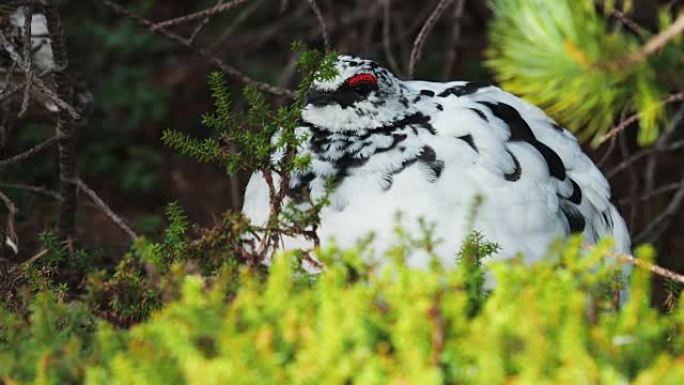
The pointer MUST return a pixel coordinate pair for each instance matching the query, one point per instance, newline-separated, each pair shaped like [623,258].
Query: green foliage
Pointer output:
[563,56]
[550,322]
[246,141]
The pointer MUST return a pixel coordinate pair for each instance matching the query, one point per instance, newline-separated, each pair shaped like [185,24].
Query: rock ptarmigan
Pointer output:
[427,150]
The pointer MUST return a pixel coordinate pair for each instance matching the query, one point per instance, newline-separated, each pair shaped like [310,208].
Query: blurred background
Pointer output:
[135,83]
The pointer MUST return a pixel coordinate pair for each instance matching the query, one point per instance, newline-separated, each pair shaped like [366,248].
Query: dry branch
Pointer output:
[655,269]
[65,124]
[30,152]
[105,208]
[678,97]
[28,57]
[34,189]
[11,240]
[418,44]
[207,13]
[321,21]
[228,69]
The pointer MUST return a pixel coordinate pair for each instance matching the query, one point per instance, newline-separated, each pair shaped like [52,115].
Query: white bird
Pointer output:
[427,150]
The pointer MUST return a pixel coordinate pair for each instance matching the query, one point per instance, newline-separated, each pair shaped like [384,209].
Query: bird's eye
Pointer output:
[363,84]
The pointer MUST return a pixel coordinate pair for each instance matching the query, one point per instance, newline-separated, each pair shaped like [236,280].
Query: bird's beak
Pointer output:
[319,98]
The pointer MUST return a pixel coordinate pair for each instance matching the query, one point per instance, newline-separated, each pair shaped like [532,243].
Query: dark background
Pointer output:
[142,83]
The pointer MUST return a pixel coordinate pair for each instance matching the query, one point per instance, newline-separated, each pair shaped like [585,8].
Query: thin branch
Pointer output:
[201,26]
[678,97]
[30,152]
[34,189]
[65,125]
[655,43]
[105,209]
[28,58]
[386,42]
[321,21]
[228,69]
[207,13]
[12,239]
[651,194]
[655,269]
[655,229]
[59,101]
[452,48]
[674,146]
[42,87]
[418,44]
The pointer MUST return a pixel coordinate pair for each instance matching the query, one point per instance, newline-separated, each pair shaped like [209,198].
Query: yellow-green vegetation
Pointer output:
[585,70]
[554,322]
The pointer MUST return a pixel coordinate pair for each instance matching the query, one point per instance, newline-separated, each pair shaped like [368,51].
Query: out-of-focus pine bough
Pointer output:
[247,142]
[566,56]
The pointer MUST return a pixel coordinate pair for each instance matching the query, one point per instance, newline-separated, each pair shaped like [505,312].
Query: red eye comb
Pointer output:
[362,78]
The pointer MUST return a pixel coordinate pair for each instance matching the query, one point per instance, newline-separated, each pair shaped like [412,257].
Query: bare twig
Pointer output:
[12,240]
[655,229]
[30,152]
[321,21]
[678,97]
[201,26]
[648,196]
[654,44]
[655,269]
[28,58]
[198,15]
[42,87]
[652,162]
[56,98]
[452,48]
[65,126]
[34,189]
[228,69]
[417,50]
[386,42]
[105,208]
[674,146]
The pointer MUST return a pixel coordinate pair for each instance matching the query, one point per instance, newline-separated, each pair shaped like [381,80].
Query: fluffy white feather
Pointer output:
[427,149]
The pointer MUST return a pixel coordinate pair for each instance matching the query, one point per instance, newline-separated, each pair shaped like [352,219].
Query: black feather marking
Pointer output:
[429,157]
[466,89]
[575,219]
[440,107]
[576,196]
[557,127]
[480,114]
[607,219]
[427,93]
[521,132]
[416,99]
[553,161]
[471,142]
[517,170]
[389,179]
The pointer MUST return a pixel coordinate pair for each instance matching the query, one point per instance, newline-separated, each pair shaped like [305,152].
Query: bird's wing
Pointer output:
[519,142]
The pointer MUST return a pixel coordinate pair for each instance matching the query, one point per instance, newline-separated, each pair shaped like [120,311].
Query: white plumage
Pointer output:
[427,149]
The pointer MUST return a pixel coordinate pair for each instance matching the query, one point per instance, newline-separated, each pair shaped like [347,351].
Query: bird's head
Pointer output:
[362,96]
